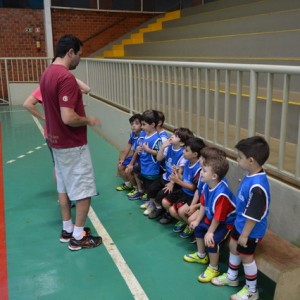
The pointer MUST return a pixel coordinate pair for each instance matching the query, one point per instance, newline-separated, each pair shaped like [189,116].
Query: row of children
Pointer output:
[180,178]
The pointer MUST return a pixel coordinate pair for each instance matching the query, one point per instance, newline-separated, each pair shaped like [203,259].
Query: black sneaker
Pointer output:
[156,213]
[86,242]
[166,219]
[66,236]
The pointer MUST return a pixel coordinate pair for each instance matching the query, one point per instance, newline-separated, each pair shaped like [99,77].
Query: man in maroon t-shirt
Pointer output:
[66,123]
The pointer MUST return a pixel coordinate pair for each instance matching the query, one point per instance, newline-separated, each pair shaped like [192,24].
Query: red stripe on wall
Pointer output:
[3,260]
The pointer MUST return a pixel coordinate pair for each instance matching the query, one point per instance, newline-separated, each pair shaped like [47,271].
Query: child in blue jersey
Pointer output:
[216,216]
[188,182]
[172,153]
[126,156]
[189,212]
[147,151]
[162,133]
[252,209]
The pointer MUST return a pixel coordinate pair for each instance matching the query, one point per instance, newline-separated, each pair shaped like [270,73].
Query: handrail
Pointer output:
[104,29]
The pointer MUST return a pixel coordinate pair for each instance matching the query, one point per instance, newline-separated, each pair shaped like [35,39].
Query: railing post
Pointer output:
[7,80]
[252,103]
[130,88]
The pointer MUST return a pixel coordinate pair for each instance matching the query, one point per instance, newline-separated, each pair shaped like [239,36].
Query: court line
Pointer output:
[3,250]
[131,281]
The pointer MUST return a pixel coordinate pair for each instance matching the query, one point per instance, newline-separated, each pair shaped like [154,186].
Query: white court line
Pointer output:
[134,286]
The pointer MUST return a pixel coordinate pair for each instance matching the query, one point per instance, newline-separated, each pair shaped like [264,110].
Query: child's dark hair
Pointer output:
[161,117]
[184,134]
[135,117]
[196,144]
[209,152]
[216,159]
[256,147]
[150,116]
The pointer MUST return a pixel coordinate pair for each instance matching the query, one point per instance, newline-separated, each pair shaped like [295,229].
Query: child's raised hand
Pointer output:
[146,147]
[166,143]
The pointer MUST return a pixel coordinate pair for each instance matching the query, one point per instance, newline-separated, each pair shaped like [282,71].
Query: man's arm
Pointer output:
[71,118]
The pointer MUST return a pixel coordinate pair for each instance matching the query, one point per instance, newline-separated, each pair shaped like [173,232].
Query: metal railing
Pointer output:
[221,103]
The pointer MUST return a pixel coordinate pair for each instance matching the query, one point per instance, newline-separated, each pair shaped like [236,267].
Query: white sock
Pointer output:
[78,233]
[127,183]
[68,226]
[215,268]
[201,255]
[233,270]
[251,276]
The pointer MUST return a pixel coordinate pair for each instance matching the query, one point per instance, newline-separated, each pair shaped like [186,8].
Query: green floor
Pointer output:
[39,267]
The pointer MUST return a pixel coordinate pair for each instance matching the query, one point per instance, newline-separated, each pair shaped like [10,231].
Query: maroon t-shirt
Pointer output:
[60,89]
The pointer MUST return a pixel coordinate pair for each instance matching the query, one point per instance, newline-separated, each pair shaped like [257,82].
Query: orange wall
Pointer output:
[15,42]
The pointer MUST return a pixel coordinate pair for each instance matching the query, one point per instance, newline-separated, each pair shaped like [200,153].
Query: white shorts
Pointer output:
[74,172]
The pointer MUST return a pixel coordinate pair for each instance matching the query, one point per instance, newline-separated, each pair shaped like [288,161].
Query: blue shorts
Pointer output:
[220,235]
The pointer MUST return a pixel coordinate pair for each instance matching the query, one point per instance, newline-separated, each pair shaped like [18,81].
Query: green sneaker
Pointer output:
[145,197]
[194,258]
[245,294]
[223,280]
[124,187]
[132,192]
[208,274]
[187,232]
[179,226]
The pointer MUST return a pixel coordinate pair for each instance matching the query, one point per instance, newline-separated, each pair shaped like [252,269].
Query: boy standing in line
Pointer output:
[125,159]
[253,200]
[216,216]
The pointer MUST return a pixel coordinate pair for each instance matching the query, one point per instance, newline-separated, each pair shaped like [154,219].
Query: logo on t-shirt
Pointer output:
[65,98]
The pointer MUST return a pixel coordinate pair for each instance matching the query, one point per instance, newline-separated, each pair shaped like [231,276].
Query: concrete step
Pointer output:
[242,10]
[275,45]
[276,21]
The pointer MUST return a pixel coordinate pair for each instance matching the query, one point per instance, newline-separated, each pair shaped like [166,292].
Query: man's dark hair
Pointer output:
[135,117]
[196,144]
[66,43]
[150,116]
[256,147]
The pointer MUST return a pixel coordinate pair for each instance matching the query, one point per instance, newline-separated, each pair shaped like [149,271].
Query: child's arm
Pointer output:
[149,150]
[243,239]
[160,154]
[30,104]
[125,153]
[209,236]
[200,216]
[175,177]
[129,167]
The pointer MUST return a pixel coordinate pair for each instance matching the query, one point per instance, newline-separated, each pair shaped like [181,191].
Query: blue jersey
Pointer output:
[163,135]
[149,165]
[190,176]
[253,201]
[172,158]
[211,197]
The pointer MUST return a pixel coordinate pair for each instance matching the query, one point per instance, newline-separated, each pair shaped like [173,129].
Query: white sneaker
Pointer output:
[145,205]
[149,210]
[245,294]
[223,280]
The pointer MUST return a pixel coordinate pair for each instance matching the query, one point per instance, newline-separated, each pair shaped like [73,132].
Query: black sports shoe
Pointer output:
[66,236]
[86,242]
[166,219]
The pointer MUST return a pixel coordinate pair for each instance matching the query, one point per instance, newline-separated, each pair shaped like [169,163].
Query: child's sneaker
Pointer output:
[124,187]
[66,236]
[179,226]
[194,258]
[145,197]
[156,213]
[149,209]
[132,192]
[208,274]
[223,280]
[135,196]
[87,242]
[245,294]
[145,205]
[166,219]
[187,232]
